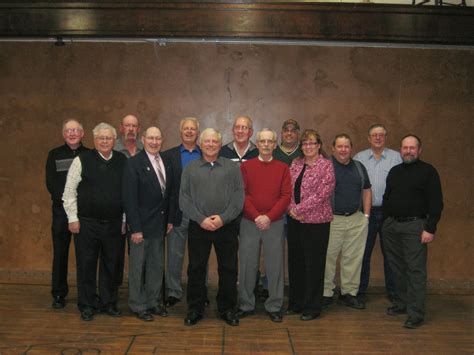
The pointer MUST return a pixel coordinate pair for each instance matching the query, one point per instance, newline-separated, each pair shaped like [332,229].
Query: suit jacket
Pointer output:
[146,208]
[173,155]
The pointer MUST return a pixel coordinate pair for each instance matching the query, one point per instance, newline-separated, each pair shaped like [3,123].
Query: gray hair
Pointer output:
[188,119]
[209,131]
[376,125]
[249,121]
[267,130]
[101,126]
[72,120]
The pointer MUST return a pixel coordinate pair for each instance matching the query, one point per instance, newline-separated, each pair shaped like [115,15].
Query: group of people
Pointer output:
[240,198]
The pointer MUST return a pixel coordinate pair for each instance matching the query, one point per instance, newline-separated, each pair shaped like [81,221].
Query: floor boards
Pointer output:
[28,325]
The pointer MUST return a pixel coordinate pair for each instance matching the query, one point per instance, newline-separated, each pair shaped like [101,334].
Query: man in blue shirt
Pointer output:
[179,156]
[378,160]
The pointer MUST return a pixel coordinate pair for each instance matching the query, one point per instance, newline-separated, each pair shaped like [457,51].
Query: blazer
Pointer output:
[173,155]
[146,209]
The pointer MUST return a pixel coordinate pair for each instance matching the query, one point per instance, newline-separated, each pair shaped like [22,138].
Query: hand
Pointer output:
[426,237]
[208,224]
[293,215]
[74,227]
[263,222]
[217,221]
[169,227]
[137,238]
[124,228]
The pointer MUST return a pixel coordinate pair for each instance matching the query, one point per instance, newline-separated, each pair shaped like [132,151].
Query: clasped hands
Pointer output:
[212,223]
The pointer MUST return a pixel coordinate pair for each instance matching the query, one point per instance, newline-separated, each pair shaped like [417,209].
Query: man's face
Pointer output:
[73,133]
[289,135]
[152,140]
[104,141]
[189,133]
[210,146]
[410,151]
[241,130]
[266,144]
[377,138]
[129,127]
[342,150]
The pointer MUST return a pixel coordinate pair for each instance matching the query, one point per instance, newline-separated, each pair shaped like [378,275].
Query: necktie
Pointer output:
[161,176]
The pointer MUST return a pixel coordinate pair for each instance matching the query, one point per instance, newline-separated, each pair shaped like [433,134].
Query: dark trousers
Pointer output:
[61,241]
[307,248]
[407,257]
[375,226]
[226,246]
[98,242]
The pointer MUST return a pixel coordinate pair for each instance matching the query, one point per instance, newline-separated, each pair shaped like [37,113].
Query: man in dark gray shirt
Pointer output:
[212,195]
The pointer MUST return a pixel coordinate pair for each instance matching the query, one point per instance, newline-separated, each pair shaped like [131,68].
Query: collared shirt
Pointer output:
[378,170]
[211,189]
[74,177]
[155,163]
[121,148]
[229,151]
[188,156]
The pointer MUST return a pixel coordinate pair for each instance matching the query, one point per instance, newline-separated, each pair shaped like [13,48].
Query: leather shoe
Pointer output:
[275,317]
[58,302]
[192,318]
[327,301]
[309,316]
[159,311]
[144,316]
[351,301]
[87,314]
[230,318]
[112,311]
[242,314]
[413,323]
[395,311]
[171,301]
[291,312]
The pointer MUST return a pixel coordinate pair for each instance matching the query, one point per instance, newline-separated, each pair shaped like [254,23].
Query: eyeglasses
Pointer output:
[72,130]
[309,144]
[266,141]
[104,138]
[378,135]
[154,139]
[241,128]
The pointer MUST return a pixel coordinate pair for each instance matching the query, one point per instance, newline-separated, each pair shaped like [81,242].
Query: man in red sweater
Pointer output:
[267,195]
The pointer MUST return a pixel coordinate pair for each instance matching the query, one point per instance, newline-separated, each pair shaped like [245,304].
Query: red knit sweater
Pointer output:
[267,188]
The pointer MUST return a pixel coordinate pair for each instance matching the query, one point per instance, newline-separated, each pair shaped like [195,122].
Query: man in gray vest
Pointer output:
[348,234]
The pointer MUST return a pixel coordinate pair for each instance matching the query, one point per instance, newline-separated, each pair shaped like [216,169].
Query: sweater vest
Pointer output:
[99,194]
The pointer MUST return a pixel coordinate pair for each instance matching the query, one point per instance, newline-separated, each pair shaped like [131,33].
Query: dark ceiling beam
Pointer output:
[236,20]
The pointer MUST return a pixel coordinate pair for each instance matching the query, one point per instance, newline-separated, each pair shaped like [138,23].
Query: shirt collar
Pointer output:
[195,150]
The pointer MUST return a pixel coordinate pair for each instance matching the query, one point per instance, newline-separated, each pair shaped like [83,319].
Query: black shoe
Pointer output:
[230,318]
[395,311]
[262,294]
[327,301]
[291,312]
[171,301]
[242,314]
[362,297]
[58,302]
[144,316]
[87,314]
[309,316]
[413,323]
[207,302]
[112,311]
[192,318]
[351,301]
[275,317]
[159,311]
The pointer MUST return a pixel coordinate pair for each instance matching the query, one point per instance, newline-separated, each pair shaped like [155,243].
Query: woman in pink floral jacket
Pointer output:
[309,217]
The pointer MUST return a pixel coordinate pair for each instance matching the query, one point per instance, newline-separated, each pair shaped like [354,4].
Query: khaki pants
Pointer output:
[347,237]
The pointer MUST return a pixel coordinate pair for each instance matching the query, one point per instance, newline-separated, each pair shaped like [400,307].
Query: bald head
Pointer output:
[152,140]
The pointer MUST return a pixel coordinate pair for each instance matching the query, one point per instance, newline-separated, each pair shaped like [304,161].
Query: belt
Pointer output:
[409,219]
[345,214]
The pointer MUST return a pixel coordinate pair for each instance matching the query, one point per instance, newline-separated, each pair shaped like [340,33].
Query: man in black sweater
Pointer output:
[57,165]
[93,204]
[412,206]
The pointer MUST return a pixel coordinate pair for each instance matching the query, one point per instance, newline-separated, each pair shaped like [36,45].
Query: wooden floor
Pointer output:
[28,325]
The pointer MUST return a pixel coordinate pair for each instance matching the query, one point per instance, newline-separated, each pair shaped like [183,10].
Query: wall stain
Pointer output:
[321,82]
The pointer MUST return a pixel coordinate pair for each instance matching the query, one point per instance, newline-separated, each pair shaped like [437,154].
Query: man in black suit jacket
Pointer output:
[147,187]
[179,157]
